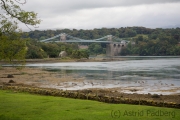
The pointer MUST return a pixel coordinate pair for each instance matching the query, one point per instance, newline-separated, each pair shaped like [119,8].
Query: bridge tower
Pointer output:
[109,37]
[109,46]
[63,37]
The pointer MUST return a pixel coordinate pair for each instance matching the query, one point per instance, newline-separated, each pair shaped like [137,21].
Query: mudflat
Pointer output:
[36,77]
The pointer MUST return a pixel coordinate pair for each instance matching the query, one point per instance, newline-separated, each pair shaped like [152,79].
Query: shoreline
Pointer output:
[101,95]
[61,80]
[34,77]
[50,60]
[92,59]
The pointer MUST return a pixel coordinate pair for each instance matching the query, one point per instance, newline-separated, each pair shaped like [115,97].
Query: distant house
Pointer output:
[83,47]
[179,44]
[133,43]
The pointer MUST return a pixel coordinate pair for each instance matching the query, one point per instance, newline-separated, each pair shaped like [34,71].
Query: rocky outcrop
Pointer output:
[62,54]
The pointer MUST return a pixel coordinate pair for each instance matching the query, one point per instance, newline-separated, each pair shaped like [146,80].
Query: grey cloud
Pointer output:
[89,14]
[81,4]
[60,6]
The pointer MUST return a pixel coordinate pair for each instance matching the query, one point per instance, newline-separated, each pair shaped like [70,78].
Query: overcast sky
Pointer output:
[90,14]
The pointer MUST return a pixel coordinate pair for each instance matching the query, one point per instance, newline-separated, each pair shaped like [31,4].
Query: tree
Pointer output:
[12,13]
[80,54]
[12,46]
[95,48]
[11,49]
[35,50]
[52,49]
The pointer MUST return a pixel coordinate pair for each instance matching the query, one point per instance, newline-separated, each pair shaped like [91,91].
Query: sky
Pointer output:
[91,14]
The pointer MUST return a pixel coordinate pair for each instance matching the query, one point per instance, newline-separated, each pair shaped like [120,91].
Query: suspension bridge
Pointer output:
[113,44]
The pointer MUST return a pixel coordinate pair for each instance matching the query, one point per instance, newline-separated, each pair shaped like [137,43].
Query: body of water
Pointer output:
[146,74]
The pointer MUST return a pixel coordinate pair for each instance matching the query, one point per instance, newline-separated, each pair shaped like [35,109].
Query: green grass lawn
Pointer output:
[25,106]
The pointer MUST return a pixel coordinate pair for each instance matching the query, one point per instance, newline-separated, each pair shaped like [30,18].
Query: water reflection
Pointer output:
[147,73]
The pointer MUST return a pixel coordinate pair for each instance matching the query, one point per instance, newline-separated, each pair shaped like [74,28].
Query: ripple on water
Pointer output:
[158,74]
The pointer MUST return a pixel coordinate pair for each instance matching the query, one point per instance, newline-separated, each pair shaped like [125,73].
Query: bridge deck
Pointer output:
[70,39]
[84,41]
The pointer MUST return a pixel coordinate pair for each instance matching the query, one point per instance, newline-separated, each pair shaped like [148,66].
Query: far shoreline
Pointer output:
[56,60]
[91,59]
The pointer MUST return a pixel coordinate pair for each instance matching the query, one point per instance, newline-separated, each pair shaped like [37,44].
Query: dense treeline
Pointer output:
[52,50]
[91,34]
[159,42]
[143,41]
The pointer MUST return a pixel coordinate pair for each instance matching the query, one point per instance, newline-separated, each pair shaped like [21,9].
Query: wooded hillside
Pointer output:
[147,41]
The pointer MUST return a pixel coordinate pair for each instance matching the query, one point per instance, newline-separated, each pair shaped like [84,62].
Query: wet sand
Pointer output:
[40,78]
[48,79]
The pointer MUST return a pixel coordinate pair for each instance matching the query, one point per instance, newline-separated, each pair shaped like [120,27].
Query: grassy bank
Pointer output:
[24,106]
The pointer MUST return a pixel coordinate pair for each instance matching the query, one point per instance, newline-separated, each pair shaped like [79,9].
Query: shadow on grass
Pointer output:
[3,117]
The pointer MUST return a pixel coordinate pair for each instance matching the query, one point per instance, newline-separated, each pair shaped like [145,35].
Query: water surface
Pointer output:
[147,74]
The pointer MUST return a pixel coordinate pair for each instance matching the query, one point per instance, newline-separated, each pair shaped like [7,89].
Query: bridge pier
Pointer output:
[114,49]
